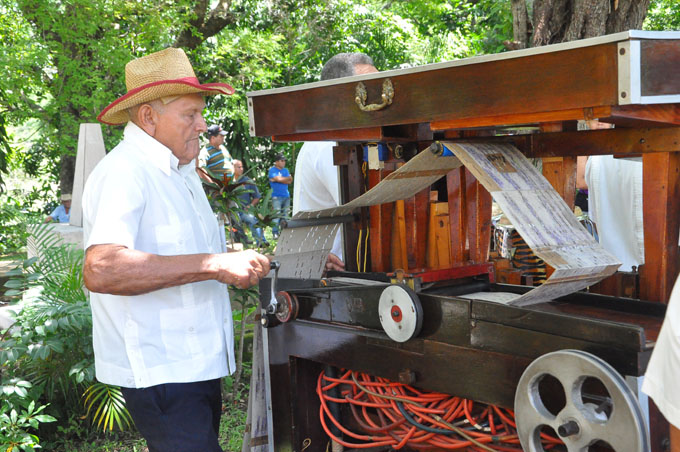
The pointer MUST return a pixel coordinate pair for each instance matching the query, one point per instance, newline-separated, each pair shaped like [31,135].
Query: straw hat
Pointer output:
[66,197]
[161,74]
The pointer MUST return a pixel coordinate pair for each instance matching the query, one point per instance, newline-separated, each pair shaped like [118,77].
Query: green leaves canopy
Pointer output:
[67,58]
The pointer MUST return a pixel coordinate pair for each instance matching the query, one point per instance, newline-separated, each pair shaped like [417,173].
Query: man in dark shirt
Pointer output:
[247,199]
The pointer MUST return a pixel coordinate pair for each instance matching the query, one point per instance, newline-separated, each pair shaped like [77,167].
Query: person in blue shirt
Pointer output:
[62,213]
[279,180]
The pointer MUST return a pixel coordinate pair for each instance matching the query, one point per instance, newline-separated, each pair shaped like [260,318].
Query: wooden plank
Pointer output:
[256,437]
[502,338]
[561,173]
[442,235]
[455,183]
[524,118]
[663,115]
[381,227]
[553,81]
[411,244]
[399,254]
[659,67]
[561,319]
[351,190]
[601,142]
[659,430]
[418,225]
[479,219]
[363,134]
[661,206]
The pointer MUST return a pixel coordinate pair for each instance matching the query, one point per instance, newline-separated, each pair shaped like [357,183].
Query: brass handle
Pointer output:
[387,96]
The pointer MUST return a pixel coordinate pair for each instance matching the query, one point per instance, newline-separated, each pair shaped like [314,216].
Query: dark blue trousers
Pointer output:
[177,417]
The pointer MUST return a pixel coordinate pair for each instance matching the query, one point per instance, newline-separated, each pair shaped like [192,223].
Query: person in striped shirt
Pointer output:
[217,158]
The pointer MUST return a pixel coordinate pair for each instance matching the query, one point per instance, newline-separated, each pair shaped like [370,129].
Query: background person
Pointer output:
[316,177]
[661,377]
[279,180]
[62,213]
[154,262]
[248,199]
[615,204]
[217,159]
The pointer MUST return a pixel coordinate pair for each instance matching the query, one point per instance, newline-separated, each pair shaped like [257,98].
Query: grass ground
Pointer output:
[232,427]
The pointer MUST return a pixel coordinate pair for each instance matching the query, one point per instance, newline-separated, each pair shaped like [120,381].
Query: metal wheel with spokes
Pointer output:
[596,411]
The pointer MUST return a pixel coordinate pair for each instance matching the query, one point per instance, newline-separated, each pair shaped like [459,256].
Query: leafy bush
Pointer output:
[19,415]
[50,345]
[13,232]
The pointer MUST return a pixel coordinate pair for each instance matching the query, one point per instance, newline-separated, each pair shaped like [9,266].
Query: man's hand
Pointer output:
[334,263]
[242,269]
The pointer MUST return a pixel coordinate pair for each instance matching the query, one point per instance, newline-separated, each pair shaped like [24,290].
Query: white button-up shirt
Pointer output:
[140,197]
[317,183]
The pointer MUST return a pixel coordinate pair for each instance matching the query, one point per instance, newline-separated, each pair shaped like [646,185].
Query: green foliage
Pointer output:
[68,58]
[50,345]
[19,417]
[67,62]
[52,334]
[663,15]
[107,406]
[233,421]
[13,233]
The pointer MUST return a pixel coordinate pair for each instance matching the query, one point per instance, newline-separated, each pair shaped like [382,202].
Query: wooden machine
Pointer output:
[437,242]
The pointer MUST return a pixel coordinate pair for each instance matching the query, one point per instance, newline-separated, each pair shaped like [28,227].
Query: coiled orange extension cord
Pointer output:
[397,415]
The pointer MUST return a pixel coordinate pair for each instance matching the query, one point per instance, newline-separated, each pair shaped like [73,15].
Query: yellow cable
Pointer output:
[368,231]
[359,251]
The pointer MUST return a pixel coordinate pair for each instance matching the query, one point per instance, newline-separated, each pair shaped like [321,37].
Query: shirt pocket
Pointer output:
[173,239]
[189,333]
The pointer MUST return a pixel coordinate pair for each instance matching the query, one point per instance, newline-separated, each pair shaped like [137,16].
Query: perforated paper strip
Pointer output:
[536,211]
[303,251]
[541,217]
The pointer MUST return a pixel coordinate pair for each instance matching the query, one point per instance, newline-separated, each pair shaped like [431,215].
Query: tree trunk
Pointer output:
[67,170]
[520,24]
[557,21]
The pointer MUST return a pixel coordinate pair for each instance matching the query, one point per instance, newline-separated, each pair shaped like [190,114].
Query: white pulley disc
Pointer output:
[616,419]
[400,312]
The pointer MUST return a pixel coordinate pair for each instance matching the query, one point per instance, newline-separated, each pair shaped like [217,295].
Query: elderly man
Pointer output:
[316,185]
[155,261]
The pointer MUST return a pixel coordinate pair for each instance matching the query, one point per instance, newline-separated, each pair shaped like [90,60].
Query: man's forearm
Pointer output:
[282,179]
[117,270]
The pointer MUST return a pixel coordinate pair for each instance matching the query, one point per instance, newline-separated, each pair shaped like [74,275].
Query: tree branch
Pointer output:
[200,29]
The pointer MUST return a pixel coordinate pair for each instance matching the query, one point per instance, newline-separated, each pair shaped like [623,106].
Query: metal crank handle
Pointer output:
[271,308]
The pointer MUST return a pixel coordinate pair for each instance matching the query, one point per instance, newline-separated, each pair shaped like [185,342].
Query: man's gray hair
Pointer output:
[342,65]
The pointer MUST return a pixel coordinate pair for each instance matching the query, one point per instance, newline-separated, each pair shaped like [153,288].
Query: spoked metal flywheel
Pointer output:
[596,410]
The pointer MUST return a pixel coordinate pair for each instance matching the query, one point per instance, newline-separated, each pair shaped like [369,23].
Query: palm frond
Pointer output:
[109,407]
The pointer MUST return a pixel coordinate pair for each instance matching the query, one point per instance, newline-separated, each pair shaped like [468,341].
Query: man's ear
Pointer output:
[147,119]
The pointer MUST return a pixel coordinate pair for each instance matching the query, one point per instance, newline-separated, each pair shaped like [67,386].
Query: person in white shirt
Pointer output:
[155,263]
[615,204]
[317,185]
[661,377]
